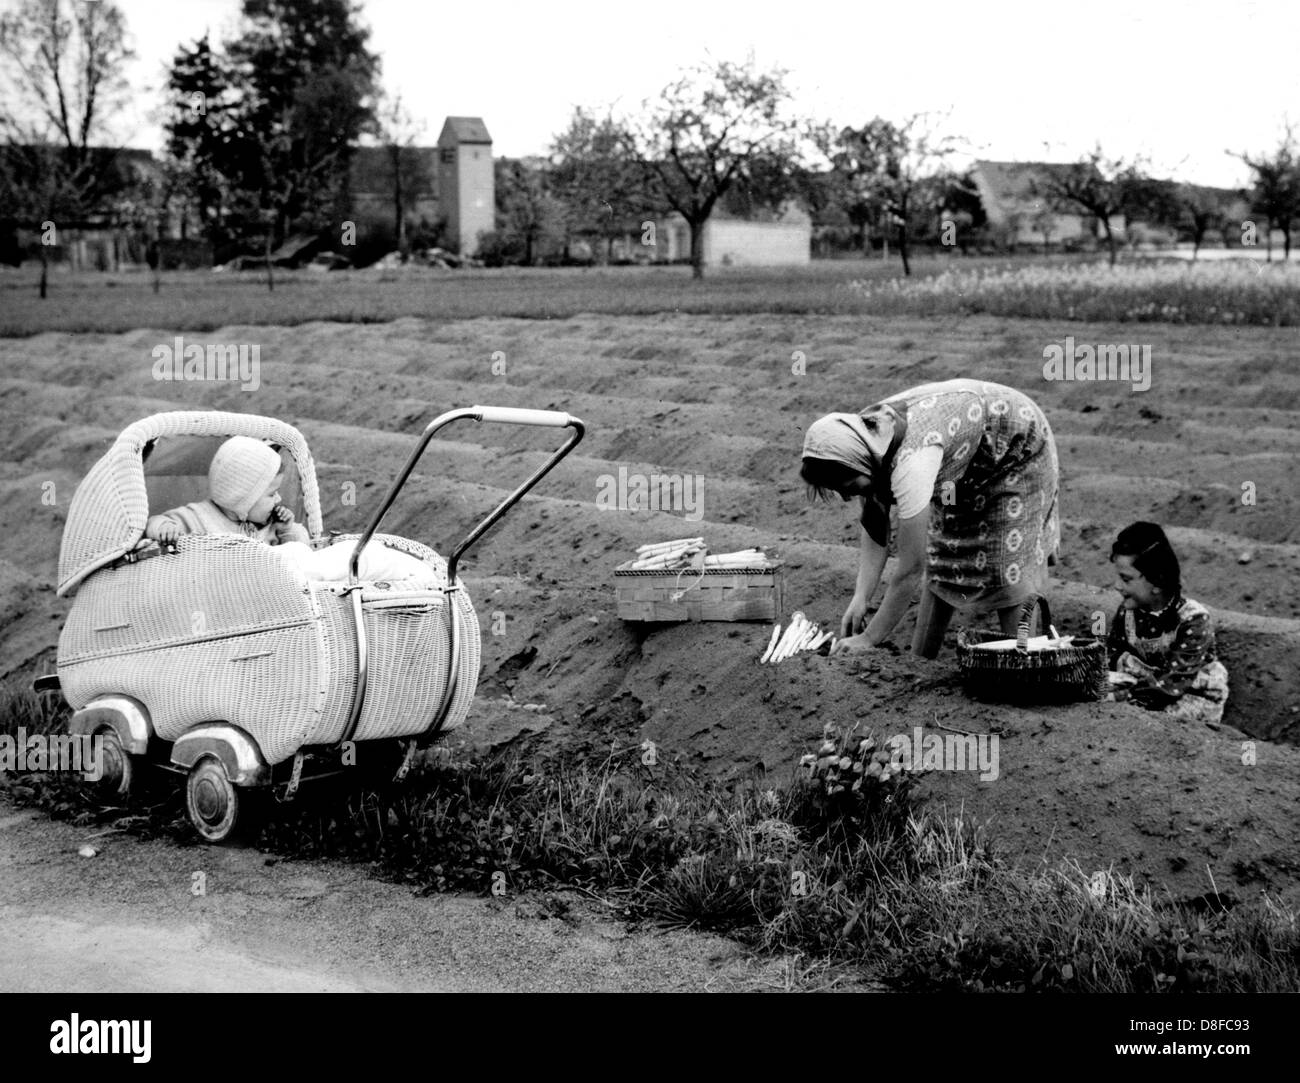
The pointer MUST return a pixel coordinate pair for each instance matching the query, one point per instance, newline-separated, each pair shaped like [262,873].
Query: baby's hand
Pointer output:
[285,527]
[162,529]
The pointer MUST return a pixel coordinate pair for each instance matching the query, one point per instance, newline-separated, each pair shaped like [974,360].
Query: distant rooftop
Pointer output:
[464,130]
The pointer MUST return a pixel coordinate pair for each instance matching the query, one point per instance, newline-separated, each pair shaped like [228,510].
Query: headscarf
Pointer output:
[842,438]
[241,470]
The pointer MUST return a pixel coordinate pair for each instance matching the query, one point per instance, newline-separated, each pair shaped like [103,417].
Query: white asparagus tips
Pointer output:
[659,547]
[667,554]
[671,554]
[801,635]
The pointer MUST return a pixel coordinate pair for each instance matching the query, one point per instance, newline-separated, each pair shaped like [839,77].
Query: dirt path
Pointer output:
[127,920]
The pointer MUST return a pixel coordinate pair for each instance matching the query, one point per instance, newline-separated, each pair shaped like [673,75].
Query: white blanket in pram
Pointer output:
[378,563]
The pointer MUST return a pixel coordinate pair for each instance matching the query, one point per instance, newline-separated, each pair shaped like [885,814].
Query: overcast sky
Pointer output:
[1179,81]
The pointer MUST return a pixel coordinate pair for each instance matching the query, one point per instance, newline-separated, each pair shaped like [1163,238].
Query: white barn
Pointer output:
[738,242]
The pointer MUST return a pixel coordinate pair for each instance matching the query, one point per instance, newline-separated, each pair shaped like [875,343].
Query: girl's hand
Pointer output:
[1131,666]
[282,514]
[857,644]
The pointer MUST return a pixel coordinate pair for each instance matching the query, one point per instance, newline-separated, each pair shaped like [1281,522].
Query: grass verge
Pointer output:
[861,876]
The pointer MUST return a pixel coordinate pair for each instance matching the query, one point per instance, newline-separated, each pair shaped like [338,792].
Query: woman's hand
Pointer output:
[854,619]
[908,575]
[857,644]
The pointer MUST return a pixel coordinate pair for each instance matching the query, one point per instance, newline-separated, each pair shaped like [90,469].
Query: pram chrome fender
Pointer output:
[236,750]
[128,716]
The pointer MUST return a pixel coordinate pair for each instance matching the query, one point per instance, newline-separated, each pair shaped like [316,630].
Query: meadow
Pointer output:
[1234,292]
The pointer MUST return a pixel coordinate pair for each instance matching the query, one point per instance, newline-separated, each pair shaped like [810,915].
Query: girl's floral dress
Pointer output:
[1172,655]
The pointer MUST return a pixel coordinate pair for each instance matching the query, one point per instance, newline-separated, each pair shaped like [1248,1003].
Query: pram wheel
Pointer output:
[117,775]
[218,809]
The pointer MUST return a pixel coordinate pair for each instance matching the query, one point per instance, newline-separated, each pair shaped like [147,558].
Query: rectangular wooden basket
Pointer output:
[727,594]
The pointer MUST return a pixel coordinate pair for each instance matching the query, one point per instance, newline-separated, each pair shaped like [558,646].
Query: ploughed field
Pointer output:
[714,398]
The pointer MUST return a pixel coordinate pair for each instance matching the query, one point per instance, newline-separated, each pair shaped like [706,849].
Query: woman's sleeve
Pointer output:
[913,480]
[1192,649]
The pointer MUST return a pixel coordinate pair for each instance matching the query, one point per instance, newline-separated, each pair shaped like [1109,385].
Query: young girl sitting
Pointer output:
[243,486]
[1161,642]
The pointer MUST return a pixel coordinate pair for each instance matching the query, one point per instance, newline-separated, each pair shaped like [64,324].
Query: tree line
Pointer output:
[262,128]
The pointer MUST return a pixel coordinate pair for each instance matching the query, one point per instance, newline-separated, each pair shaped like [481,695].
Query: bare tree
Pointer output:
[1201,211]
[714,127]
[600,188]
[899,169]
[1044,222]
[407,170]
[1275,192]
[65,76]
[1102,187]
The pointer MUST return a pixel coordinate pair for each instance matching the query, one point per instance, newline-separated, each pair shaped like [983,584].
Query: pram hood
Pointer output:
[107,517]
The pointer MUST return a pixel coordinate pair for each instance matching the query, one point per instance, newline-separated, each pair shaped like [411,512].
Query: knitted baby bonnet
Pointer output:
[241,470]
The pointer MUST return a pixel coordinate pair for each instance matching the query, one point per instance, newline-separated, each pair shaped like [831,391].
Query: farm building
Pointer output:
[98,241]
[1013,199]
[1016,208]
[381,179]
[466,185]
[449,187]
[729,241]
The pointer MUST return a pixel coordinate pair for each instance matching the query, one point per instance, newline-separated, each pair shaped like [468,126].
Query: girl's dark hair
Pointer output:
[1152,555]
[825,477]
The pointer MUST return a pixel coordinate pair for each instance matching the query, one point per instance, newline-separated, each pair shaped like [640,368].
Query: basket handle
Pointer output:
[678,591]
[1027,615]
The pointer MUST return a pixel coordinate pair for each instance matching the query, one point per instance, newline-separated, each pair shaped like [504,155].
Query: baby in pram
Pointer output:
[243,487]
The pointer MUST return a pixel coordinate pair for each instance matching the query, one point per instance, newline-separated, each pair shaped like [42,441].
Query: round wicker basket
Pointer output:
[1024,673]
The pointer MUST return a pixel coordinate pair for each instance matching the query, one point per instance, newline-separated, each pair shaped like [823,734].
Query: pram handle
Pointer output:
[504,414]
[512,415]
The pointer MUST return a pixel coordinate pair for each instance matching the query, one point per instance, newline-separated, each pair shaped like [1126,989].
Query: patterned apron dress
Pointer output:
[1176,656]
[994,526]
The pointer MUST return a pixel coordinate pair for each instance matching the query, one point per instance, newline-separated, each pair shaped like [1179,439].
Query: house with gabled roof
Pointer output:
[1019,212]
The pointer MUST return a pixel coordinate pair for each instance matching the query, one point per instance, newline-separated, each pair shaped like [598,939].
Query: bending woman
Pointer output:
[972,468]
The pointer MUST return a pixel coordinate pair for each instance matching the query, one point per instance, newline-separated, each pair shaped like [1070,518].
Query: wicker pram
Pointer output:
[1046,671]
[224,650]
[225,629]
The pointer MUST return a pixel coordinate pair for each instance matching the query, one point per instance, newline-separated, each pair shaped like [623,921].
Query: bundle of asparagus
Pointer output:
[666,554]
[670,554]
[801,635]
[741,558]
